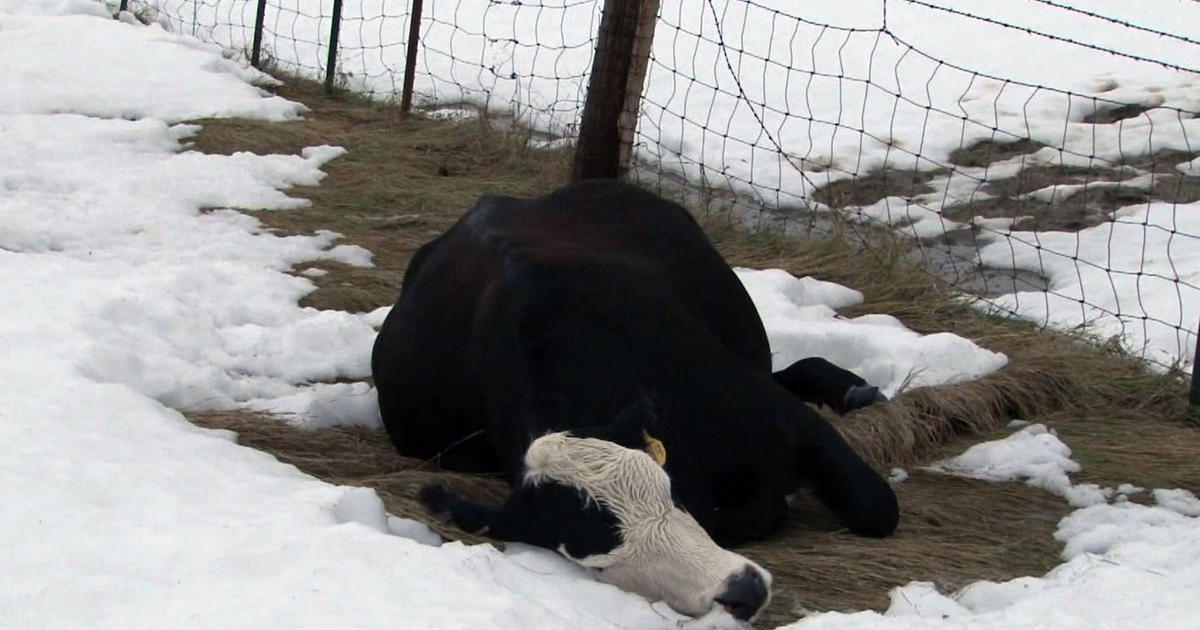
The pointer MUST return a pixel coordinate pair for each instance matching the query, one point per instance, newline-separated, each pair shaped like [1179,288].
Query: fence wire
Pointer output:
[1068,195]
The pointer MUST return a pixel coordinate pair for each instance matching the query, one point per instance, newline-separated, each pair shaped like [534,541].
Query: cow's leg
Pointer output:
[842,479]
[447,442]
[815,380]
[734,526]
[547,515]
[467,515]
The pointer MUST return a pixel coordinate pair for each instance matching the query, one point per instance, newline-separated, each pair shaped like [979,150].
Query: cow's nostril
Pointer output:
[744,594]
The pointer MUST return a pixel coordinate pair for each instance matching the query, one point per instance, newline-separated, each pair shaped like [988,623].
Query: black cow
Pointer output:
[558,339]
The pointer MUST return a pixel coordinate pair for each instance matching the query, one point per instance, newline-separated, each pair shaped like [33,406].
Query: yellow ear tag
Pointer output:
[655,448]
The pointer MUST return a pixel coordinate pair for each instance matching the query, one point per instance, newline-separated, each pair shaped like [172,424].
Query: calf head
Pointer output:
[609,508]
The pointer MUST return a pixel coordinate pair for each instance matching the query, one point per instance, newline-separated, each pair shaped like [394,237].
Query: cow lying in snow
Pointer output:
[595,347]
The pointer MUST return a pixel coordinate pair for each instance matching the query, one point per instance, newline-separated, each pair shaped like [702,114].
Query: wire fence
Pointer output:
[1042,155]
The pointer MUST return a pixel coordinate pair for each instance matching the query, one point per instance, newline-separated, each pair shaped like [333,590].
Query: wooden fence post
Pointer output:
[410,57]
[256,49]
[331,62]
[597,153]
[643,42]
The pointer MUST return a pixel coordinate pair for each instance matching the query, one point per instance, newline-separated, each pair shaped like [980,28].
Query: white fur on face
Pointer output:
[664,554]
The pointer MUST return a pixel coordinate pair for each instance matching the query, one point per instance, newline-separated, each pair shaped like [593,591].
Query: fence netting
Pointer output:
[1041,155]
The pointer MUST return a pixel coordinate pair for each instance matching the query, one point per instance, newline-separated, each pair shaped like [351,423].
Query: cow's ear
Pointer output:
[629,426]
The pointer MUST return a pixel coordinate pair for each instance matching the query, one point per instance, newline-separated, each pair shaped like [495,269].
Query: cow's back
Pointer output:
[620,222]
[428,364]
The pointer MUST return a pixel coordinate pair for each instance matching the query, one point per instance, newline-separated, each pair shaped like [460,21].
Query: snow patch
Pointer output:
[362,506]
[801,321]
[120,71]
[128,281]
[375,318]
[413,530]
[1178,500]
[1155,249]
[1033,455]
[324,405]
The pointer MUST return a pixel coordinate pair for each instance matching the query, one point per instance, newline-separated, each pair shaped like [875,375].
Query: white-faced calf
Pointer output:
[594,346]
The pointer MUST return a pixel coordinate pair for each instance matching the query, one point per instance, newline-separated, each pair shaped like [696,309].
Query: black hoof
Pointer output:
[436,498]
[860,396]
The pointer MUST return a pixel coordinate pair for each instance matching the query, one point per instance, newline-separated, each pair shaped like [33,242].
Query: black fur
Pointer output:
[604,310]
[581,526]
[820,382]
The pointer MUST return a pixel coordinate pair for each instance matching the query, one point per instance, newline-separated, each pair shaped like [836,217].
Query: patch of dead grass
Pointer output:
[1047,371]
[1036,177]
[402,182]
[1087,208]
[987,152]
[866,189]
[952,532]
[1112,113]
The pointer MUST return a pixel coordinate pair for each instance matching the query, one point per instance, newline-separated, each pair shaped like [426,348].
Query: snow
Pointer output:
[163,311]
[1127,489]
[177,78]
[132,287]
[1147,248]
[1033,454]
[414,530]
[362,506]
[1178,500]
[801,321]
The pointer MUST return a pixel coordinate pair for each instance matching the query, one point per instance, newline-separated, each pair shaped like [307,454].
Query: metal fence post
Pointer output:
[410,59]
[331,63]
[1194,397]
[258,30]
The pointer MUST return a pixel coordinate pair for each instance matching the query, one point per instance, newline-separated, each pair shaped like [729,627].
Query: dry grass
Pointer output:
[987,152]
[1088,208]
[866,189]
[1115,113]
[1046,371]
[405,180]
